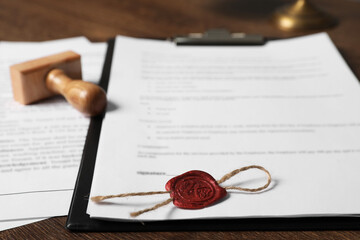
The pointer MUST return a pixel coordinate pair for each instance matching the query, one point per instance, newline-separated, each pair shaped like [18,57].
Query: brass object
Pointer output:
[302,15]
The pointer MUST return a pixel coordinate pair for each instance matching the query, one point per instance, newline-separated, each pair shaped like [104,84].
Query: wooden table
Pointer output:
[37,20]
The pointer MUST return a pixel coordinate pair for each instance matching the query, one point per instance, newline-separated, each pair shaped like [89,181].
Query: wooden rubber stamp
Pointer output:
[48,76]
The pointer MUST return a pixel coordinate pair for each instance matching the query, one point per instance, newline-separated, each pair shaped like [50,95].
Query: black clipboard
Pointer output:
[78,220]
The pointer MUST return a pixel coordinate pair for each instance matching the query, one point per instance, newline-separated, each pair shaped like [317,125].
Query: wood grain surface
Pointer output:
[39,20]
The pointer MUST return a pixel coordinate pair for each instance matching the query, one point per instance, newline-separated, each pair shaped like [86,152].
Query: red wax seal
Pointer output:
[194,190]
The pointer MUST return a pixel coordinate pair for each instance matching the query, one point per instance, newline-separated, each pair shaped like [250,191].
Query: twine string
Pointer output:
[223,179]
[101,198]
[135,214]
[236,171]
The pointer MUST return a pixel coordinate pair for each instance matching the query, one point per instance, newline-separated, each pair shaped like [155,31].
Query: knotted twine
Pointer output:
[223,179]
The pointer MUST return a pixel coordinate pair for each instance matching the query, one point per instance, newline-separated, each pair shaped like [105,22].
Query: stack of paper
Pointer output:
[292,106]
[40,144]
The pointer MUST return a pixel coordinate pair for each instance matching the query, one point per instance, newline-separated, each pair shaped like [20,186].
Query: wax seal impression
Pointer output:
[194,190]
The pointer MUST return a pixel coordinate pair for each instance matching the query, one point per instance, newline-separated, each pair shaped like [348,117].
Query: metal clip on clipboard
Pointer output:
[218,37]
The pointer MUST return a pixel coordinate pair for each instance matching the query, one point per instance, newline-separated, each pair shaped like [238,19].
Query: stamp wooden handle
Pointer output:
[86,97]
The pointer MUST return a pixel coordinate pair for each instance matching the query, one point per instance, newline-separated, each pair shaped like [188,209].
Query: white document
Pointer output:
[4,225]
[41,144]
[291,106]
